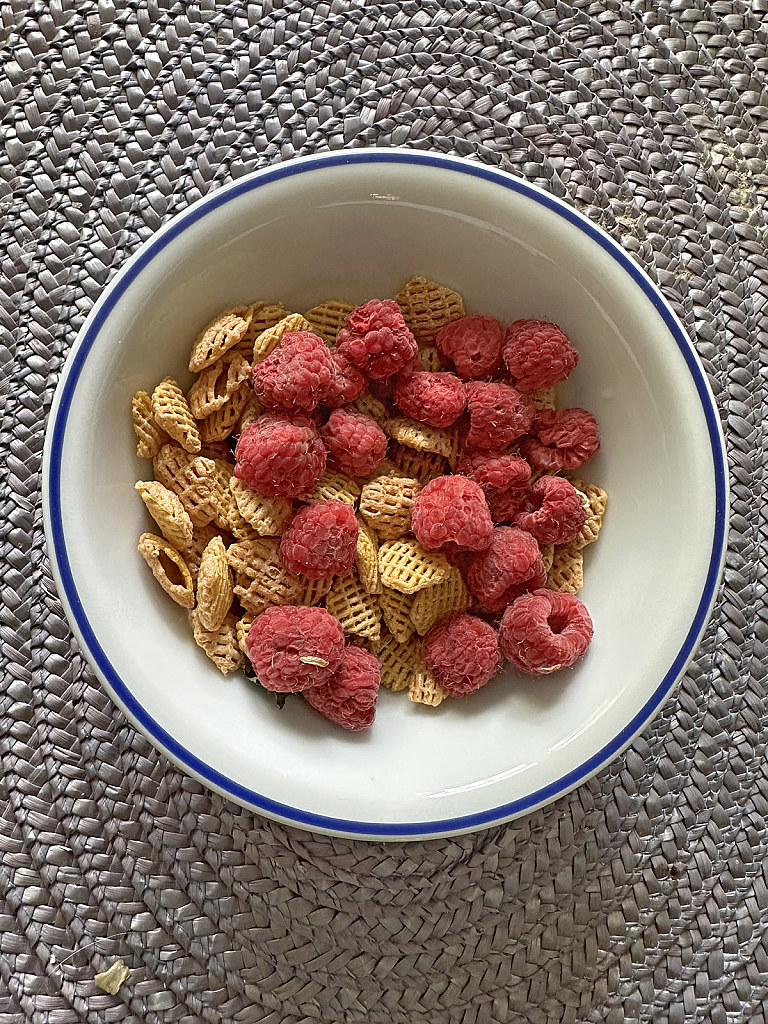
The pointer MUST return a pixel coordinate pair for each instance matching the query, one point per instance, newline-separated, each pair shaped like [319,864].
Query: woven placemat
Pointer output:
[642,895]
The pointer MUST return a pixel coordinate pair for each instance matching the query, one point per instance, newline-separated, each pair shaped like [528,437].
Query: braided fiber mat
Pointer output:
[642,895]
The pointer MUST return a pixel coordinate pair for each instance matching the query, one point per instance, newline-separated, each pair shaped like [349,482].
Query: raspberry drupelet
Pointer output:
[376,339]
[562,439]
[280,457]
[538,354]
[510,564]
[349,697]
[545,630]
[554,512]
[473,344]
[462,654]
[498,415]
[347,382]
[495,471]
[355,442]
[321,540]
[437,399]
[294,647]
[451,510]
[297,376]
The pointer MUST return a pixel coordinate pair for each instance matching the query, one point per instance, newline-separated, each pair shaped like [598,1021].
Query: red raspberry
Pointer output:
[292,648]
[504,505]
[512,559]
[297,376]
[554,512]
[280,457]
[434,398]
[347,383]
[462,654]
[538,354]
[321,540]
[498,415]
[564,439]
[349,696]
[384,389]
[495,471]
[356,443]
[451,509]
[474,345]
[544,631]
[376,339]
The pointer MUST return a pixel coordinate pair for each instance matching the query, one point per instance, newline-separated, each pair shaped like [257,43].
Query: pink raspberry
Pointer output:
[356,443]
[462,654]
[321,540]
[347,383]
[293,648]
[297,376]
[554,512]
[434,398]
[563,439]
[495,471]
[376,339]
[474,345]
[451,509]
[545,630]
[498,415]
[512,559]
[504,505]
[280,457]
[538,354]
[349,696]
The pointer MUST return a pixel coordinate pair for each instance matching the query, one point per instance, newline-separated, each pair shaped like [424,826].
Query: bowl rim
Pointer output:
[109,677]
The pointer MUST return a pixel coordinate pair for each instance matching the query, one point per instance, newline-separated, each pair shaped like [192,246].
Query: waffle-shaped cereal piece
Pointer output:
[242,626]
[172,414]
[201,537]
[405,566]
[217,383]
[166,509]
[216,450]
[239,527]
[221,645]
[193,478]
[356,609]
[386,503]
[429,357]
[327,319]
[215,589]
[442,601]
[264,316]
[427,307]
[546,398]
[267,516]
[251,411]
[424,466]
[401,663]
[149,437]
[547,555]
[370,405]
[396,610]
[595,500]
[266,343]
[567,572]
[224,499]
[262,579]
[420,436]
[335,484]
[314,590]
[219,336]
[169,568]
[367,557]
[425,689]
[221,423]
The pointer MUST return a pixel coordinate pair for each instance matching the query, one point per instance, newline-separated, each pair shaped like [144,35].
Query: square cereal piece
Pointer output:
[370,405]
[192,478]
[567,572]
[405,566]
[327,318]
[240,527]
[400,663]
[357,610]
[217,383]
[367,557]
[442,601]
[396,610]
[173,415]
[262,579]
[268,516]
[220,336]
[266,343]
[420,436]
[221,645]
[386,503]
[149,437]
[427,307]
[424,466]
[220,424]
[334,484]
[313,590]
[595,500]
[425,689]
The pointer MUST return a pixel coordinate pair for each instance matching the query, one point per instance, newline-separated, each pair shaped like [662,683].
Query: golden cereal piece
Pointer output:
[173,415]
[546,398]
[442,601]
[112,979]
[427,307]
[251,412]
[216,384]
[386,503]
[216,450]
[595,500]
[201,537]
[327,319]
[267,516]
[424,466]
[429,357]
[400,663]
[266,343]
[221,645]
[191,477]
[334,484]
[405,566]
[166,509]
[221,423]
[357,610]
[370,405]
[240,527]
[242,627]
[220,336]
[420,436]
[547,554]
[224,499]
[396,610]
[169,568]
[149,437]
[262,579]
[263,317]
[314,590]
[425,689]
[567,572]
[215,589]
[367,557]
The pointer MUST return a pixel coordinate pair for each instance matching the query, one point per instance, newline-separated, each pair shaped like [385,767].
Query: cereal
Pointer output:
[427,307]
[547,555]
[595,500]
[357,610]
[217,383]
[424,466]
[396,610]
[239,526]
[201,537]
[424,689]
[335,484]
[266,343]
[314,590]
[401,663]
[429,357]
[419,436]
[251,411]
[173,415]
[267,516]
[221,423]
[149,437]
[327,319]
[215,589]
[242,626]
[386,503]
[544,398]
[405,566]
[262,579]
[168,568]
[369,405]
[166,509]
[367,557]
[223,497]
[192,478]
[221,645]
[444,600]
[567,571]
[263,317]
[219,336]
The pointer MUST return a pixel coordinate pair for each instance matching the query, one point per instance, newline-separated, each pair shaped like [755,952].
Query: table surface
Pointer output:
[640,896]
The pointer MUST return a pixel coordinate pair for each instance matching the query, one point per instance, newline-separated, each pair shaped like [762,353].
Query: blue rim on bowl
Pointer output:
[117,687]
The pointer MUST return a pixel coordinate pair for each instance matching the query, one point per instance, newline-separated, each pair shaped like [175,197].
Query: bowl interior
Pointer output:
[356,231]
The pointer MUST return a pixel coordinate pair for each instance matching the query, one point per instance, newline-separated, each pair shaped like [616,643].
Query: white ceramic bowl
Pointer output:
[356,225]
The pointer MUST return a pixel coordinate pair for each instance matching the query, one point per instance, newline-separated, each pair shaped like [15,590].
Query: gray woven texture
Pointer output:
[642,895]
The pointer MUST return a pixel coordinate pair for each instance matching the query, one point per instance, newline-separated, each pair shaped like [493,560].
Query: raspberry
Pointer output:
[495,471]
[347,383]
[376,339]
[512,559]
[451,509]
[349,696]
[280,457]
[321,540]
[297,376]
[564,439]
[544,631]
[292,648]
[498,415]
[356,443]
[554,513]
[384,388]
[474,345]
[462,654]
[434,398]
[504,505]
[538,354]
